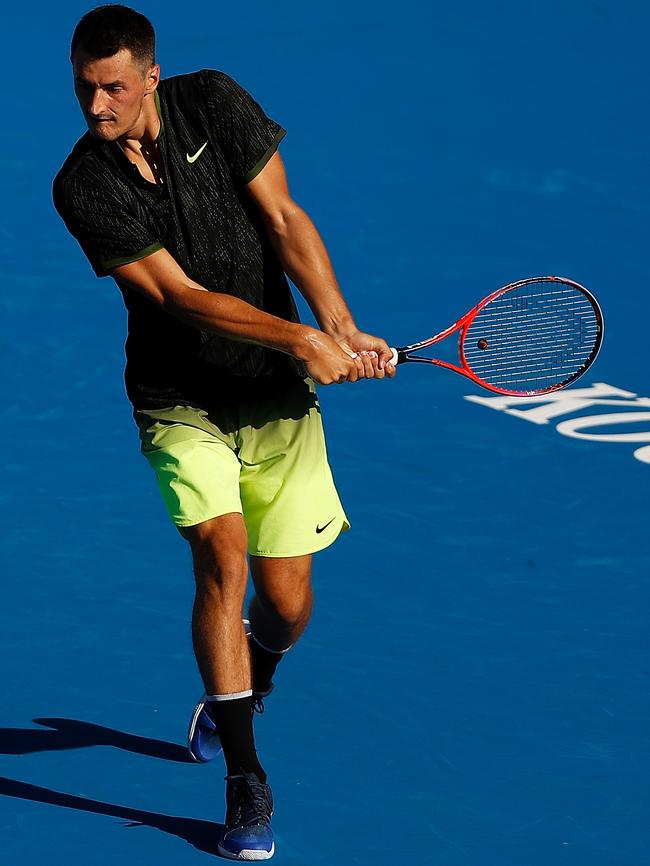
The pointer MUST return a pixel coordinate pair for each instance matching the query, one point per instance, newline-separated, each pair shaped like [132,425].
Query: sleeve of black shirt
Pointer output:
[106,231]
[246,136]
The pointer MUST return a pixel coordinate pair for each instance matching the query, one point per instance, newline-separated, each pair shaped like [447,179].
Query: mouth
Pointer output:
[100,127]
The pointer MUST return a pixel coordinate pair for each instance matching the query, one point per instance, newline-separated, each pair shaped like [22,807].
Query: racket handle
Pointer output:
[394,359]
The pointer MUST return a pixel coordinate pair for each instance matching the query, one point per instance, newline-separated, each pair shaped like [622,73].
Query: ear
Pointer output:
[151,79]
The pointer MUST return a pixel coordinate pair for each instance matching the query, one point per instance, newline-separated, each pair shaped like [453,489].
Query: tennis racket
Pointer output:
[529,337]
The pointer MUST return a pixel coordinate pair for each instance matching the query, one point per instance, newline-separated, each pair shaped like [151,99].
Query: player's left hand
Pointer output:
[373,355]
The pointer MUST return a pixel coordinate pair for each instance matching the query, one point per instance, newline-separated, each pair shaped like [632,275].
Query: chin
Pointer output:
[104,131]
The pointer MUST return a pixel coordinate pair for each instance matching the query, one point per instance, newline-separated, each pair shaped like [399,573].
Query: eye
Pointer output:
[114,88]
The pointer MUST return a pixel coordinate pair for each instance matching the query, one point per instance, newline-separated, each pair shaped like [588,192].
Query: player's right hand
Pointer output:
[327,363]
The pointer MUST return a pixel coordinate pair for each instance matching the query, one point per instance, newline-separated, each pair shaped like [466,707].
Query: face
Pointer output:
[111,92]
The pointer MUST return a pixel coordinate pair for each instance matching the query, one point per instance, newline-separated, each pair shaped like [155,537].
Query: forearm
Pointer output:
[325,360]
[233,318]
[305,260]
[161,280]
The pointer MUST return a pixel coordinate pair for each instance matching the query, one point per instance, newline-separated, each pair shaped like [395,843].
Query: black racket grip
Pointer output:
[399,355]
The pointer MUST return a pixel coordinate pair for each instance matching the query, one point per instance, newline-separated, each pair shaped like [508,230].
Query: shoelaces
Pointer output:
[249,802]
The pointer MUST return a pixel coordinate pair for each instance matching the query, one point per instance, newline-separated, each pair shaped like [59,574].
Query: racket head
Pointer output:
[531,337]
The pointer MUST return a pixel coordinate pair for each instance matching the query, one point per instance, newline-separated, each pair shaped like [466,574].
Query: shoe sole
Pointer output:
[190,734]
[247,853]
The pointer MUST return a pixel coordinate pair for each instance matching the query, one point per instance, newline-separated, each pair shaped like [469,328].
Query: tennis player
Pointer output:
[179,193]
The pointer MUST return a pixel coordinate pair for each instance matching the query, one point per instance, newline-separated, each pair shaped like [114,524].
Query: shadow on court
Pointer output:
[74,734]
[203,835]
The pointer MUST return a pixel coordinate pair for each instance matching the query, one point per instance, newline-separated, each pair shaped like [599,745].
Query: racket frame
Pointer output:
[405,353]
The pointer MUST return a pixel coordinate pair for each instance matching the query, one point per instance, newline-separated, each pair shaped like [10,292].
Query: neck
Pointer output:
[144,134]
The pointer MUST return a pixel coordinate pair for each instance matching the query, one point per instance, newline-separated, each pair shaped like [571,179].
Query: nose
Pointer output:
[97,105]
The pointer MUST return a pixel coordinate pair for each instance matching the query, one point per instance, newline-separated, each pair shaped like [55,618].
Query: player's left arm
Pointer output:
[304,258]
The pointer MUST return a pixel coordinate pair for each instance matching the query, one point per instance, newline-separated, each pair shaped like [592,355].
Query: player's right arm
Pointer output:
[161,280]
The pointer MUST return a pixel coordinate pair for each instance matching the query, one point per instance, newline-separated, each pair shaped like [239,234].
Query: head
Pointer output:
[115,70]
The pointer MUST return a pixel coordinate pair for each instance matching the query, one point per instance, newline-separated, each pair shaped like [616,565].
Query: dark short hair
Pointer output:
[104,31]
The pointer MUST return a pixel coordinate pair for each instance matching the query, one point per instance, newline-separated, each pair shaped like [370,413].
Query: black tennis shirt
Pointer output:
[214,139]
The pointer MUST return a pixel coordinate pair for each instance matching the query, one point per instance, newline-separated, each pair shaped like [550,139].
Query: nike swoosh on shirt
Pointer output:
[320,529]
[197,154]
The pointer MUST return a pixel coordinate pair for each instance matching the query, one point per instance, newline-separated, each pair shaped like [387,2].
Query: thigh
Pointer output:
[290,503]
[195,463]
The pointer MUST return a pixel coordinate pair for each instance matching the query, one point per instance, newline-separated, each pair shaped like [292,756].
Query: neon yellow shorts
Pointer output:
[265,459]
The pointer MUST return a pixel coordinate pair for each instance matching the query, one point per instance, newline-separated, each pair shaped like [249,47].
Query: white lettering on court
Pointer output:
[548,406]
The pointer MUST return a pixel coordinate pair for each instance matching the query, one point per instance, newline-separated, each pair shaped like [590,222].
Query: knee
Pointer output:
[292,608]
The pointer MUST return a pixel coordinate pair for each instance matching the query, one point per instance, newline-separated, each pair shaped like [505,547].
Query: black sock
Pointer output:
[263,665]
[234,720]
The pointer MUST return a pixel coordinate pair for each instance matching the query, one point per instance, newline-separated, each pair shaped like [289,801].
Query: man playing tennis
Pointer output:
[178,192]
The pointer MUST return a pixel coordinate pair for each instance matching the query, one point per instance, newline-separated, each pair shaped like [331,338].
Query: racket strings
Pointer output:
[537,336]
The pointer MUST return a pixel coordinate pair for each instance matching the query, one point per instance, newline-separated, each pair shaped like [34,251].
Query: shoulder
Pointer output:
[74,161]
[83,169]
[207,83]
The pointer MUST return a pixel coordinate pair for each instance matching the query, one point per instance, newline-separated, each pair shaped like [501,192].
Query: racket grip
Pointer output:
[393,360]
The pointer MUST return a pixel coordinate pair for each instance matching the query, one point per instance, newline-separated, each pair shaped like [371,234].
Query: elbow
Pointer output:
[180,300]
[281,220]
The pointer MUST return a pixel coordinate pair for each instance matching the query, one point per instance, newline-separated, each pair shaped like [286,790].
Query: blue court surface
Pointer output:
[473,689]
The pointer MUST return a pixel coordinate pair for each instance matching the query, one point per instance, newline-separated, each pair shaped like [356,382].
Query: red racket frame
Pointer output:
[404,354]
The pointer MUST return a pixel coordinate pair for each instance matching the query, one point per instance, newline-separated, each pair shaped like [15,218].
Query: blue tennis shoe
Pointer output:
[249,807]
[202,738]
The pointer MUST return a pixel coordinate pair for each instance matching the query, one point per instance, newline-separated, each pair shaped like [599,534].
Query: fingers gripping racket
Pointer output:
[529,337]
